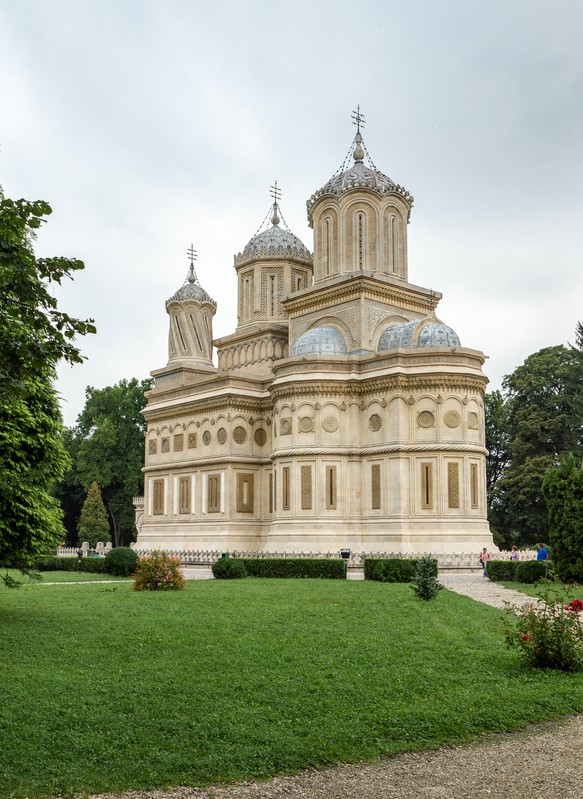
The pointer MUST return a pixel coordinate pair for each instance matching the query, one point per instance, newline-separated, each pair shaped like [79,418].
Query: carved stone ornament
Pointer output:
[206,437]
[152,446]
[306,424]
[165,444]
[425,419]
[191,440]
[375,422]
[221,435]
[452,419]
[239,435]
[473,421]
[343,406]
[285,427]
[178,442]
[411,400]
[330,424]
[260,437]
[383,403]
[317,406]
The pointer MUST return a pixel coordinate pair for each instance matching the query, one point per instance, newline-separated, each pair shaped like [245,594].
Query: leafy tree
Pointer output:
[109,442]
[93,523]
[497,461]
[563,490]
[34,336]
[544,399]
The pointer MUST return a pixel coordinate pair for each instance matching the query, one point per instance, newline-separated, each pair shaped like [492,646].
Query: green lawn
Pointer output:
[63,577]
[105,689]
[535,589]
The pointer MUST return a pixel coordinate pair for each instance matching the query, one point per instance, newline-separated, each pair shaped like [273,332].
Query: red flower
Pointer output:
[576,606]
[526,637]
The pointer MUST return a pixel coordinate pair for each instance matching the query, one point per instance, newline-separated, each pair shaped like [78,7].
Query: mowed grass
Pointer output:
[63,577]
[105,689]
[566,593]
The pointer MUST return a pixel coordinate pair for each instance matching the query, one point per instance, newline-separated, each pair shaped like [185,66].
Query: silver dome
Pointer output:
[320,341]
[191,290]
[429,332]
[275,242]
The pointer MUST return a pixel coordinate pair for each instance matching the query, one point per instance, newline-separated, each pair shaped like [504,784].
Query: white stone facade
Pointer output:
[342,412]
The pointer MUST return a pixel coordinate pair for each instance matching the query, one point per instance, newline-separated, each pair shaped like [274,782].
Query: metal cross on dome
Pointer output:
[275,192]
[193,255]
[358,119]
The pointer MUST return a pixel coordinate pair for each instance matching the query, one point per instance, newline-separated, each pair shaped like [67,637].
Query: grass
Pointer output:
[535,589]
[63,577]
[105,689]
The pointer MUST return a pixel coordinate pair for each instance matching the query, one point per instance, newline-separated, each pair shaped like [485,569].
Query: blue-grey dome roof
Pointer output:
[428,332]
[275,242]
[191,290]
[320,341]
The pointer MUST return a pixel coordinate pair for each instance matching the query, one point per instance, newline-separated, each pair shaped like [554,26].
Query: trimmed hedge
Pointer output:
[393,570]
[326,568]
[121,561]
[228,569]
[531,571]
[52,563]
[501,570]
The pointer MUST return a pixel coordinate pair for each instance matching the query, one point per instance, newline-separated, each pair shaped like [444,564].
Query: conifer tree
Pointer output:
[93,523]
[563,491]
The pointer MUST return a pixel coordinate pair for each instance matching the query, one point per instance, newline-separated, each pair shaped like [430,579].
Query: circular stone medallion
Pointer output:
[426,419]
[221,435]
[330,424]
[239,435]
[260,437]
[452,419]
[206,437]
[473,421]
[375,422]
[286,427]
[306,424]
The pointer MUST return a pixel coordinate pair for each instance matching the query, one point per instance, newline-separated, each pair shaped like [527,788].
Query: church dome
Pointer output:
[320,341]
[419,333]
[358,176]
[275,242]
[191,290]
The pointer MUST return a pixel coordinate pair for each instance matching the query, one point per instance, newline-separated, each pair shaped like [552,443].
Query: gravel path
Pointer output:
[540,762]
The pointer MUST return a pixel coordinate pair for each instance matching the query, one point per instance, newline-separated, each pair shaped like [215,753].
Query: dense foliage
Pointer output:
[531,571]
[534,424]
[158,572]
[121,561]
[393,570]
[563,491]
[107,446]
[501,570]
[52,563]
[327,568]
[425,582]
[229,569]
[93,523]
[34,337]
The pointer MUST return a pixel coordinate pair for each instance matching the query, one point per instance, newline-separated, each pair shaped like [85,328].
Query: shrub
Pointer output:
[393,570]
[229,569]
[501,570]
[548,635]
[425,582]
[52,563]
[158,572]
[531,571]
[324,568]
[121,561]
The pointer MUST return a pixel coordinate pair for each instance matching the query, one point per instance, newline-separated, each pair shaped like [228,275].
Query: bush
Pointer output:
[229,569]
[548,635]
[531,571]
[324,568]
[501,570]
[121,561]
[158,572]
[425,582]
[393,570]
[52,563]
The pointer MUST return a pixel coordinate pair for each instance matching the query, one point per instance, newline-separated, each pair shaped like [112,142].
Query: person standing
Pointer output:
[542,553]
[515,554]
[484,558]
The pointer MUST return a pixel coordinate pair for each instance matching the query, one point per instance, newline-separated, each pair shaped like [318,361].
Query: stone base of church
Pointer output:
[440,537]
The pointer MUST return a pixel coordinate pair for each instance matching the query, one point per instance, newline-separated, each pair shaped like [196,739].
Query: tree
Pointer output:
[34,336]
[563,490]
[93,523]
[544,399]
[497,461]
[109,438]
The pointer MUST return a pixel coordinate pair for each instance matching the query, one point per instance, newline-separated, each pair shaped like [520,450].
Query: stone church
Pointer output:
[341,412]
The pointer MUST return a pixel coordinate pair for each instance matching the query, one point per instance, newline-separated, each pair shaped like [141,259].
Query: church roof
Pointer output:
[428,332]
[358,176]
[191,290]
[325,340]
[275,242]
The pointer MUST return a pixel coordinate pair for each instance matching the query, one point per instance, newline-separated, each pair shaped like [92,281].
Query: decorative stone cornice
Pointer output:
[381,449]
[224,460]
[225,402]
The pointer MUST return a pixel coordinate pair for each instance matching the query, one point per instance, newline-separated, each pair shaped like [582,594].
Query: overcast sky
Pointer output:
[150,125]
